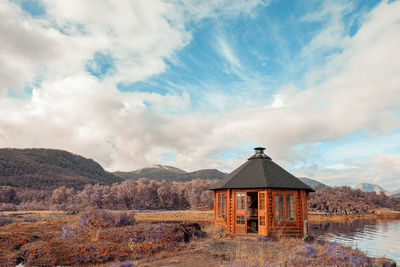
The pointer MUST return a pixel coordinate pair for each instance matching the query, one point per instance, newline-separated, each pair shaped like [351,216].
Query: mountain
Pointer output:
[157,172]
[169,173]
[394,193]
[49,169]
[367,187]
[311,182]
[206,174]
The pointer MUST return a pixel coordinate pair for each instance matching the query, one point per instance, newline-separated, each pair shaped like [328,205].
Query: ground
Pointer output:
[37,234]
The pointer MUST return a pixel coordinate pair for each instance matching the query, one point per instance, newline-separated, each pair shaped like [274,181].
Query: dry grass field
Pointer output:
[153,238]
[181,215]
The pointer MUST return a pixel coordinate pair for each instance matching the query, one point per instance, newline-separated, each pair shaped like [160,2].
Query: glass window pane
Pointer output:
[223,206]
[278,203]
[290,207]
[240,201]
[261,201]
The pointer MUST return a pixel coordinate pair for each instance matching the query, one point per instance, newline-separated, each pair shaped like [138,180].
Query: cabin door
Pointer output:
[241,213]
[262,218]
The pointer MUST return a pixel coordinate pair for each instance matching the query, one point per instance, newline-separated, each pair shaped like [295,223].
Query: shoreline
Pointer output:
[380,214]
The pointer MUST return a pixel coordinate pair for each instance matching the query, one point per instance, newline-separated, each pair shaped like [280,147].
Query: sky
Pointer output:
[198,84]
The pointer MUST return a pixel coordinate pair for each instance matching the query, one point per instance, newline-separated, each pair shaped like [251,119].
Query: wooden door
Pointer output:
[241,213]
[262,212]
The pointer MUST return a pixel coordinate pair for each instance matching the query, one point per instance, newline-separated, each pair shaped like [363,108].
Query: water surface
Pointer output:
[378,238]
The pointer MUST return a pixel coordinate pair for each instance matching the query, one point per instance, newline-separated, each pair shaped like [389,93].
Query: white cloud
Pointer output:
[226,51]
[382,169]
[388,163]
[333,34]
[75,111]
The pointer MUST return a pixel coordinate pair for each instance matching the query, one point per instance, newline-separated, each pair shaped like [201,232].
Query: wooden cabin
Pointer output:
[261,198]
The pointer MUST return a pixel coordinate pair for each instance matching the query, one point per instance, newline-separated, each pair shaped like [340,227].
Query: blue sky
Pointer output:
[198,84]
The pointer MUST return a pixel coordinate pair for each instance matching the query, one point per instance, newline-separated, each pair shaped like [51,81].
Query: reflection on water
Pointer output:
[378,238]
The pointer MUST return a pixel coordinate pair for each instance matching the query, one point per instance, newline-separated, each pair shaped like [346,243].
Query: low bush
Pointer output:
[38,254]
[30,219]
[123,264]
[4,220]
[97,219]
[7,206]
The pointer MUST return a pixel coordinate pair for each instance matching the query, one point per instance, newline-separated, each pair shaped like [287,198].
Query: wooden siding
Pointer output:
[296,228]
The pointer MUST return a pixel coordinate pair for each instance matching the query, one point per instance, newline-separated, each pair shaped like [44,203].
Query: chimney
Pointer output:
[259,153]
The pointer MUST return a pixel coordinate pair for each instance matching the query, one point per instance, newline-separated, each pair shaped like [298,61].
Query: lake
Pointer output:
[378,238]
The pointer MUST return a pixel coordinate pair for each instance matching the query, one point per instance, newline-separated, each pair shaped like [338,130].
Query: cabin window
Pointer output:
[278,199]
[240,201]
[262,220]
[284,205]
[261,201]
[289,207]
[240,219]
[221,205]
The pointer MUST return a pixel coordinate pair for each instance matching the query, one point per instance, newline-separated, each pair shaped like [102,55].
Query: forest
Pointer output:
[346,200]
[151,194]
[131,194]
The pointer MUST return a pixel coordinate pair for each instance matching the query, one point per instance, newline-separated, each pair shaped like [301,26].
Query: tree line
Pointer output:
[131,194]
[346,200]
[151,194]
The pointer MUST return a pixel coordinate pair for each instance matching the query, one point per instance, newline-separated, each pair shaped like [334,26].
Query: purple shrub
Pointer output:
[125,219]
[104,219]
[37,253]
[123,264]
[97,219]
[266,238]
[307,251]
[310,250]
[334,246]
[5,221]
[70,230]
[337,251]
[150,239]
[358,260]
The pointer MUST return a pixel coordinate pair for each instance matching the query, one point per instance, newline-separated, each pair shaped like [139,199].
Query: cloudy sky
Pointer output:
[197,84]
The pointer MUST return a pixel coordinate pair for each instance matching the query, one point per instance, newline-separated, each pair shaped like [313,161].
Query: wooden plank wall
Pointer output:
[269,211]
[296,228]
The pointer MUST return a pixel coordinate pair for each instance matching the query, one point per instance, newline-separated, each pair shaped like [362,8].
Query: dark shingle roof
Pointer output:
[260,172]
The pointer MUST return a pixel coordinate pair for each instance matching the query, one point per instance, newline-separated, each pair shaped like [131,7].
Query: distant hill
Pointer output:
[157,172]
[394,193]
[311,182]
[367,187]
[49,169]
[169,173]
[206,174]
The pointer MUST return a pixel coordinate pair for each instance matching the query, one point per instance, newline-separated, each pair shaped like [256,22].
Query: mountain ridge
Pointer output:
[169,173]
[369,187]
[40,168]
[312,182]
[395,193]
